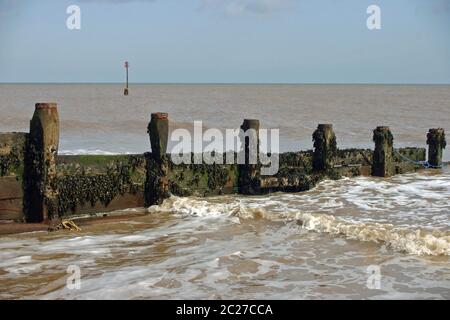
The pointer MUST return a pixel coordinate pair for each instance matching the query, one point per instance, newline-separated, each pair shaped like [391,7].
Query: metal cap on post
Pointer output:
[436,143]
[40,179]
[325,147]
[383,158]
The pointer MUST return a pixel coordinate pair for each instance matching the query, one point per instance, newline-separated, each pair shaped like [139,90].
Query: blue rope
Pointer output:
[425,164]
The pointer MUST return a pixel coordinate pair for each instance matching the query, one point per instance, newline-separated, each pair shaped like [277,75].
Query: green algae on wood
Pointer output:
[202,179]
[383,158]
[436,143]
[98,179]
[325,147]
[12,149]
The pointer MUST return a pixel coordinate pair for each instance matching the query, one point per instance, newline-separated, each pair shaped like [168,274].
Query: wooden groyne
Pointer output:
[38,185]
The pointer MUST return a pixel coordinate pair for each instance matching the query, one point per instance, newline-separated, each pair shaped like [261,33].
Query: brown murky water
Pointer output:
[319,244]
[314,245]
[98,118]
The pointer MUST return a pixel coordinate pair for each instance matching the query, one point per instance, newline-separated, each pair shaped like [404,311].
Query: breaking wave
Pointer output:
[417,241]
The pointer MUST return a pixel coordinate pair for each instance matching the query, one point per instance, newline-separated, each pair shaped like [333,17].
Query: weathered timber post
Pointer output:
[383,158]
[325,148]
[157,182]
[250,170]
[41,192]
[436,143]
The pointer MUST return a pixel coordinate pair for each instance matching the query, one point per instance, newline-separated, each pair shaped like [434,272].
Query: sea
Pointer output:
[355,238]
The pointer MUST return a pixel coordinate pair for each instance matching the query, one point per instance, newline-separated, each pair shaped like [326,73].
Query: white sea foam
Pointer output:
[90,152]
[194,207]
[406,214]
[418,241]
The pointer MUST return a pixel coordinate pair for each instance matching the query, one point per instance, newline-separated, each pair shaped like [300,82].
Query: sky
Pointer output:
[226,41]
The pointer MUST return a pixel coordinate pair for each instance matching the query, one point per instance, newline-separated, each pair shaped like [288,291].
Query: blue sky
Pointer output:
[226,41]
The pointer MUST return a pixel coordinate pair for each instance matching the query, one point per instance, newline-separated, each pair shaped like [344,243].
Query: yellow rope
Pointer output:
[70,225]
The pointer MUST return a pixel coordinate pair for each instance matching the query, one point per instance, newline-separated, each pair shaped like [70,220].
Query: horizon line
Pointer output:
[233,83]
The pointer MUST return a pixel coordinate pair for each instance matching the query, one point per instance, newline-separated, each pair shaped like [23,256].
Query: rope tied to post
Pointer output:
[424,164]
[69,225]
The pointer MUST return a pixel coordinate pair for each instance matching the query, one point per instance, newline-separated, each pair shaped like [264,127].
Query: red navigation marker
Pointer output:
[125,91]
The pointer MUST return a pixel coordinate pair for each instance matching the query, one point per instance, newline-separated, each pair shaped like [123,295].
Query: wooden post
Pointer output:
[383,158]
[325,147]
[249,171]
[436,143]
[157,181]
[158,129]
[41,192]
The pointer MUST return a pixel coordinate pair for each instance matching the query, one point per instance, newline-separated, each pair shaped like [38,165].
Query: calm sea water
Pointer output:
[98,118]
[323,243]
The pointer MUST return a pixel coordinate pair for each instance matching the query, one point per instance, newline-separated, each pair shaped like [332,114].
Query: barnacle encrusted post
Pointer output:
[325,147]
[436,143]
[157,181]
[383,159]
[250,169]
[158,129]
[41,192]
